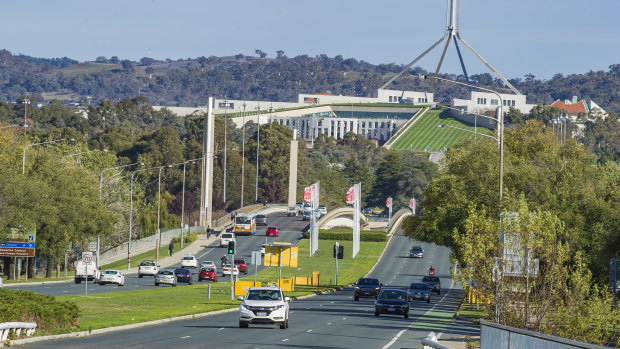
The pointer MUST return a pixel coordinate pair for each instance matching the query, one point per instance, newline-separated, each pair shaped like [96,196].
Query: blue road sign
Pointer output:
[18,244]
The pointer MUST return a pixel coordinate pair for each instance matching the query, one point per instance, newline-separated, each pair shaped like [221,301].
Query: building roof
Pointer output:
[572,108]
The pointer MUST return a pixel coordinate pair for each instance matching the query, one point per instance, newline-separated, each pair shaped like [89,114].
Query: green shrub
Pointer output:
[187,238]
[347,235]
[50,315]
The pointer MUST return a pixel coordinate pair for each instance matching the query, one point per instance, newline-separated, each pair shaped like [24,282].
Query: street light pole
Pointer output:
[32,145]
[257,154]
[193,161]
[225,132]
[242,155]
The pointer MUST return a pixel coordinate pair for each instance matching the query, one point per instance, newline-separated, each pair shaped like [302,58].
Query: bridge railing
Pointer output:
[17,327]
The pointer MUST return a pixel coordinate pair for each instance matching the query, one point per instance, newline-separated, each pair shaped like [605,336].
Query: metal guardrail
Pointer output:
[17,328]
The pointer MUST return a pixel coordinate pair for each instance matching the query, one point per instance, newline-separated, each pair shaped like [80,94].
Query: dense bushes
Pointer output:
[50,315]
[347,235]
[187,238]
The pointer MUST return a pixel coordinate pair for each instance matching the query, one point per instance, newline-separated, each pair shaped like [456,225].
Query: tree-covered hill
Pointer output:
[189,82]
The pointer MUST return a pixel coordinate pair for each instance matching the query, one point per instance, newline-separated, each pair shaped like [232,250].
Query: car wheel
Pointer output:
[286,323]
[438,292]
[376,313]
[283,325]
[190,282]
[356,298]
[140,276]
[406,316]
[156,284]
[77,281]
[428,300]
[101,284]
[174,285]
[243,324]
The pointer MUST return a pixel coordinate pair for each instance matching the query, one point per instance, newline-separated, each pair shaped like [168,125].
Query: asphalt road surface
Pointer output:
[290,229]
[333,320]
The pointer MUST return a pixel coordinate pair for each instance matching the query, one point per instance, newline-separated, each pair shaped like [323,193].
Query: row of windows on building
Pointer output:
[394,99]
[339,128]
[506,102]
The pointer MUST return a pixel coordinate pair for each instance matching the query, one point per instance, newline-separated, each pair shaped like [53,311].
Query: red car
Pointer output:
[273,230]
[240,263]
[207,274]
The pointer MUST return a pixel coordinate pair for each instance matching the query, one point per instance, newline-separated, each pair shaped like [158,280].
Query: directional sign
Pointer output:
[92,246]
[87,257]
[18,244]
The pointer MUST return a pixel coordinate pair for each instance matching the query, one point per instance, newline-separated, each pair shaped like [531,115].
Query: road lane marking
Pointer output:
[329,323]
[220,329]
[310,330]
[285,340]
[184,337]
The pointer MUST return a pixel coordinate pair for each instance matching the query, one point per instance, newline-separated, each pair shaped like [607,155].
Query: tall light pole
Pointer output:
[225,136]
[193,161]
[158,244]
[26,101]
[242,155]
[32,145]
[131,215]
[257,154]
[500,129]
[100,196]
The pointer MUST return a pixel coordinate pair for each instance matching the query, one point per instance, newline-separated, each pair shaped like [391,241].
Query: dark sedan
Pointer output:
[367,287]
[433,283]
[419,290]
[392,301]
[183,275]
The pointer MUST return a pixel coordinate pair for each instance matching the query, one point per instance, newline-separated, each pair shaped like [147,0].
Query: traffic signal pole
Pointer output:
[336,249]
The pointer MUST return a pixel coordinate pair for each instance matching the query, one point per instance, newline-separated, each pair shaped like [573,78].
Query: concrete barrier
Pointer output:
[16,327]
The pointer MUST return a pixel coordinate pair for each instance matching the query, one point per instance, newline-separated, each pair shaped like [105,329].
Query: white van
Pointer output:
[84,271]
[226,237]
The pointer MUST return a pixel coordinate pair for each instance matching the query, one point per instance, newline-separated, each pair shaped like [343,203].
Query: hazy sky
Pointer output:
[541,37]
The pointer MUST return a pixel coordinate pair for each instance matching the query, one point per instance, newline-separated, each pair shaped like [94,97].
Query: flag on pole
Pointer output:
[350,198]
[411,203]
[308,194]
[388,202]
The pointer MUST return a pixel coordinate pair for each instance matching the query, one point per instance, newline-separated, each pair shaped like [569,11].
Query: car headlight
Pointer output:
[245,306]
[377,288]
[278,307]
[357,287]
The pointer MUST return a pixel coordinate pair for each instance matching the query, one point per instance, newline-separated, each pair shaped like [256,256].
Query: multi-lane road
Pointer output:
[332,320]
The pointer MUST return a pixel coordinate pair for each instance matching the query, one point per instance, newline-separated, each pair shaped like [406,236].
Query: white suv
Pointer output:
[264,305]
[226,237]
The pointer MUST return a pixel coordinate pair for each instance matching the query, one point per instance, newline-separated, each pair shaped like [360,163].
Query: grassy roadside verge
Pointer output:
[163,302]
[469,311]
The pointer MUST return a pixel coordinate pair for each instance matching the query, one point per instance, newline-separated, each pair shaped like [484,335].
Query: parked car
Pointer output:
[226,270]
[419,290]
[322,210]
[183,275]
[112,277]
[433,283]
[416,252]
[147,267]
[367,287]
[165,276]
[208,264]
[240,263]
[225,238]
[189,261]
[272,231]
[392,301]
[261,219]
[264,305]
[208,274]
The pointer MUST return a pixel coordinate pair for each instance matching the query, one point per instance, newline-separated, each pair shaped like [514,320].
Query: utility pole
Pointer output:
[225,136]
[242,155]
[257,153]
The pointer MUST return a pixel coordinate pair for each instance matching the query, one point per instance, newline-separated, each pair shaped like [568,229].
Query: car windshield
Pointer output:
[110,272]
[208,270]
[227,236]
[272,228]
[419,286]
[368,282]
[165,272]
[239,261]
[260,216]
[392,294]
[181,271]
[416,248]
[188,258]
[264,295]
[430,278]
[147,264]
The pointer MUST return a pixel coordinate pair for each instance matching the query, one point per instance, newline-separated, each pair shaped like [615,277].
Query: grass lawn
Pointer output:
[469,310]
[425,132]
[128,307]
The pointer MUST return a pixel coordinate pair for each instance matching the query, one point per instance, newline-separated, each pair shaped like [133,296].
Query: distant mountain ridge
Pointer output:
[190,82]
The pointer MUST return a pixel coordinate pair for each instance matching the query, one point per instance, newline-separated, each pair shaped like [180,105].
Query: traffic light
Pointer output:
[231,247]
[340,252]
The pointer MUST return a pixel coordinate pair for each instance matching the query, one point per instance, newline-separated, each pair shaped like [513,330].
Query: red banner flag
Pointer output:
[388,202]
[308,194]
[350,195]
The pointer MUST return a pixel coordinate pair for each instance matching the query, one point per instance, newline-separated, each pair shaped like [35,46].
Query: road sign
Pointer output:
[87,257]
[256,257]
[18,244]
[92,246]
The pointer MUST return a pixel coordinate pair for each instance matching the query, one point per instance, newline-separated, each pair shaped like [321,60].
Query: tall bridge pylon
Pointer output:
[452,34]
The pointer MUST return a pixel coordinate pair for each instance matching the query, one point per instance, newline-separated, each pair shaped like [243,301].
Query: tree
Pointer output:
[260,53]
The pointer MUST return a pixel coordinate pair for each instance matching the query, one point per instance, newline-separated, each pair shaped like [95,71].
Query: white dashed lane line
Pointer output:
[184,337]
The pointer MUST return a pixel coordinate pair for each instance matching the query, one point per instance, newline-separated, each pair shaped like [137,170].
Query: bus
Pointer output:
[245,224]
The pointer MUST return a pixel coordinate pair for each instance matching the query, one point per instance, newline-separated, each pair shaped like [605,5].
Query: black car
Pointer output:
[183,275]
[433,283]
[419,290]
[367,287]
[261,219]
[392,301]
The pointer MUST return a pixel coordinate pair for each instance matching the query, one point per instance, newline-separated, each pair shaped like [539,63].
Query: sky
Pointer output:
[539,37]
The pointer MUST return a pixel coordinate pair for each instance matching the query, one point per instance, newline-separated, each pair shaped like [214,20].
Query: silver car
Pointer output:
[165,276]
[261,219]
